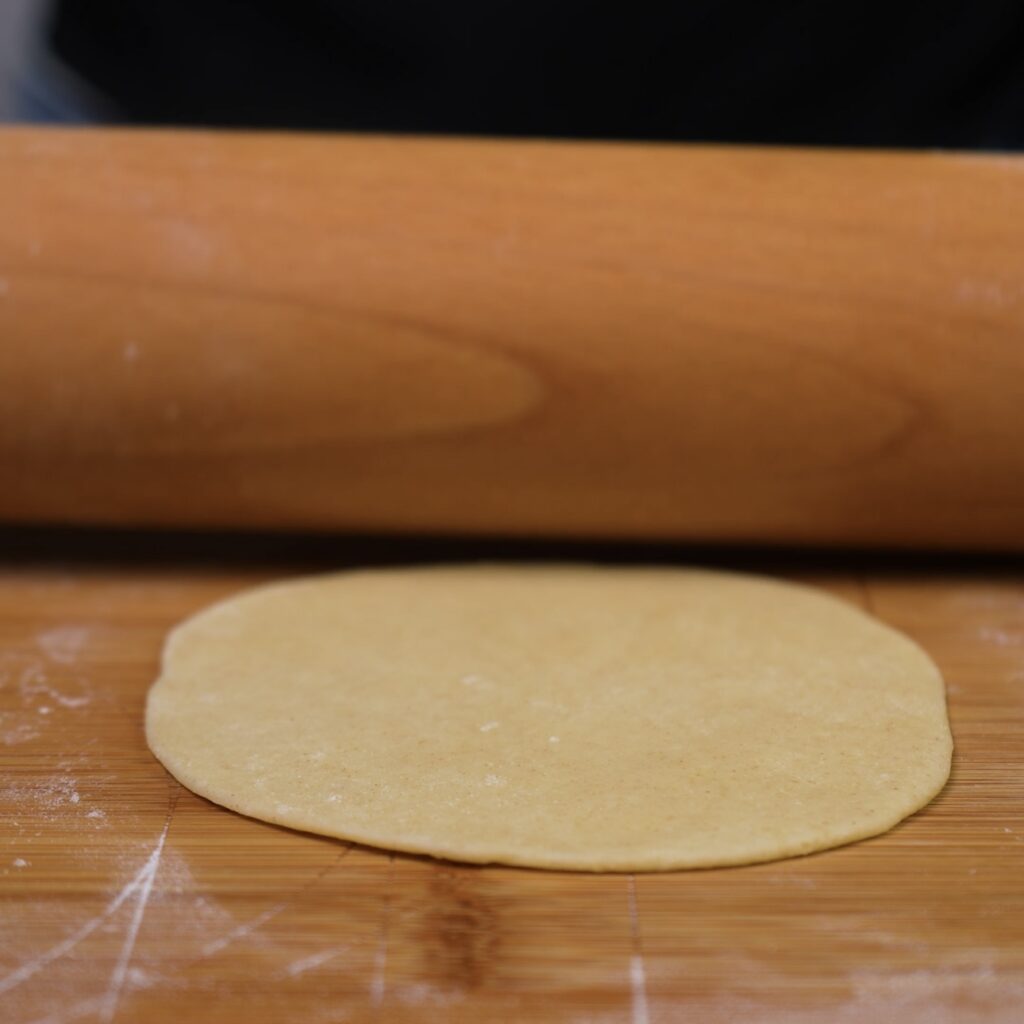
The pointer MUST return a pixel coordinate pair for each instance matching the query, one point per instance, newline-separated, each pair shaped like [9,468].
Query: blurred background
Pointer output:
[945,75]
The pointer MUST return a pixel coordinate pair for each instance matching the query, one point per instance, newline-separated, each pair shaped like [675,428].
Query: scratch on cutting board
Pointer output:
[308,963]
[378,983]
[78,1010]
[143,880]
[245,928]
[145,888]
[637,970]
[105,1006]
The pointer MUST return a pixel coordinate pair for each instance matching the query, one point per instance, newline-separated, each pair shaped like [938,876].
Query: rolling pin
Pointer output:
[567,339]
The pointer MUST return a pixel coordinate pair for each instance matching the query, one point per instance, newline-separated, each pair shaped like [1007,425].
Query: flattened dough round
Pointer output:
[558,717]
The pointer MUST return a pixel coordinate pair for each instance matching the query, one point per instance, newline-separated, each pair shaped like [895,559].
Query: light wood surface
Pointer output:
[584,339]
[126,898]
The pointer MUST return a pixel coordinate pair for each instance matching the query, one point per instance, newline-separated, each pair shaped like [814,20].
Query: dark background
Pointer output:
[904,74]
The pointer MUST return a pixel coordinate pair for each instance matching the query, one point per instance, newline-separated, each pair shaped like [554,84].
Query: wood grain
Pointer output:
[575,339]
[126,898]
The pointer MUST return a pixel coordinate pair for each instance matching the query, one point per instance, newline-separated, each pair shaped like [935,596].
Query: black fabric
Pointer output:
[906,74]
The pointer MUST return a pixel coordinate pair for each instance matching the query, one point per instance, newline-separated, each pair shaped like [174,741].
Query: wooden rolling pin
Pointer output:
[511,337]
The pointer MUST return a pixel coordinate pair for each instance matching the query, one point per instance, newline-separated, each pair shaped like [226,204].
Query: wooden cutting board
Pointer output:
[127,898]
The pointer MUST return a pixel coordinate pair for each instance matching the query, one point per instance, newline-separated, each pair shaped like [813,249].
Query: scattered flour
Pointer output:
[11,736]
[34,682]
[63,643]
[1001,637]
[41,797]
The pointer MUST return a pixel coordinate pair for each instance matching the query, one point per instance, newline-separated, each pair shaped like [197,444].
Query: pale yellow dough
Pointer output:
[557,717]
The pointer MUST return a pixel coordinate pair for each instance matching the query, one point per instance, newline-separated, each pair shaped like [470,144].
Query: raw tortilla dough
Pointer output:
[558,717]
